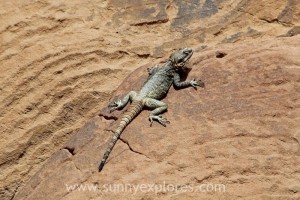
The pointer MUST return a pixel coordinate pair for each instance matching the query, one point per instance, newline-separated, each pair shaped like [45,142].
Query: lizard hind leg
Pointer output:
[158,108]
[119,104]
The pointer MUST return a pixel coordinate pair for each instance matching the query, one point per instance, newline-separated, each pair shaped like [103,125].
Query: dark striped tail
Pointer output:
[134,109]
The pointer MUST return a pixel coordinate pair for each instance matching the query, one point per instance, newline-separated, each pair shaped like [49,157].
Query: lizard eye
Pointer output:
[186,51]
[180,60]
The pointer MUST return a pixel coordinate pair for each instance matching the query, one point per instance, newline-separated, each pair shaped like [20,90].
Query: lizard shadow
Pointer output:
[184,72]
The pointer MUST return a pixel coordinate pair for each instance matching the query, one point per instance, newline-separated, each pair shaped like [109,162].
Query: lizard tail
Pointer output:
[133,110]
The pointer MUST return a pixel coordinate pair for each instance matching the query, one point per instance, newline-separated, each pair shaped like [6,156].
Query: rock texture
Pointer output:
[242,131]
[61,61]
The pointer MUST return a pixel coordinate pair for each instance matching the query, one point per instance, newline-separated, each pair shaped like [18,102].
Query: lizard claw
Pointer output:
[159,119]
[115,105]
[196,82]
[151,121]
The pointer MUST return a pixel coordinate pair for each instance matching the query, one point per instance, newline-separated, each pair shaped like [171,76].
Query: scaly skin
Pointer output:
[154,89]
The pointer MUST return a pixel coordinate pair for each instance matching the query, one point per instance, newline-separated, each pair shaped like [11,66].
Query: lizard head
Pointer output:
[180,57]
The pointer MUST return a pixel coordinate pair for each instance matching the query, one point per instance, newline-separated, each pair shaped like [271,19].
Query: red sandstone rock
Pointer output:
[62,60]
[241,130]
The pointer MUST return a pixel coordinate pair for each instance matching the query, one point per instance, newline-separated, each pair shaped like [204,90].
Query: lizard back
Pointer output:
[158,85]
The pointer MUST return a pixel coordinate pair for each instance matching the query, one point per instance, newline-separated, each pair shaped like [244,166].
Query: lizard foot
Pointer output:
[115,105]
[196,82]
[160,119]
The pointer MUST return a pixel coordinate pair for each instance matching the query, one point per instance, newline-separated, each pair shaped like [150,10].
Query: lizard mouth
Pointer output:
[186,59]
[180,58]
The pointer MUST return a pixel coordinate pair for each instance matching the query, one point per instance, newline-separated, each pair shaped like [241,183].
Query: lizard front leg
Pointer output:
[159,107]
[194,83]
[119,104]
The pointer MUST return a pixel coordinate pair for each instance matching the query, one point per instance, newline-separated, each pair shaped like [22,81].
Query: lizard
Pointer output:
[154,89]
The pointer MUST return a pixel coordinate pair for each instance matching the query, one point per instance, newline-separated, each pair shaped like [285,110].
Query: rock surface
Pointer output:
[241,131]
[61,61]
